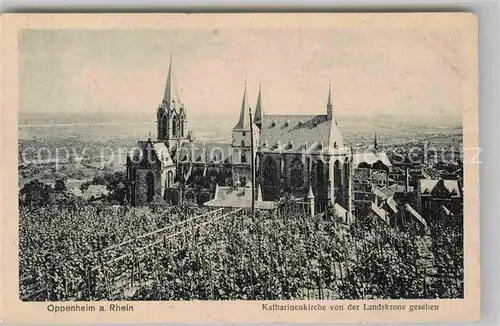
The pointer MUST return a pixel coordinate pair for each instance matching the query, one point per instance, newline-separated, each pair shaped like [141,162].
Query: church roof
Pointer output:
[298,133]
[162,153]
[205,152]
[159,149]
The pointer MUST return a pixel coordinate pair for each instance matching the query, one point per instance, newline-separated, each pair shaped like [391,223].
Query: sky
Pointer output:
[372,72]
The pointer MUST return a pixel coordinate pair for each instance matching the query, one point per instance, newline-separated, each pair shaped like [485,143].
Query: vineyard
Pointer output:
[97,252]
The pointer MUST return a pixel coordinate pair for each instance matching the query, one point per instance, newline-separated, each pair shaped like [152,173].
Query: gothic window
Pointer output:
[217,155]
[297,173]
[243,181]
[182,127]
[242,143]
[244,133]
[337,174]
[174,127]
[270,172]
[243,157]
[150,182]
[164,127]
[170,176]
[346,172]
[213,174]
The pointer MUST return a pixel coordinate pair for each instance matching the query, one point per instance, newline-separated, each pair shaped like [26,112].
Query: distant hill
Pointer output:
[217,127]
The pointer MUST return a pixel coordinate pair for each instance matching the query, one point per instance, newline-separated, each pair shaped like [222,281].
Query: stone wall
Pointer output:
[141,186]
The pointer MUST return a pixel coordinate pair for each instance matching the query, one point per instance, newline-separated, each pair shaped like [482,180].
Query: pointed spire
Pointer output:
[244,121]
[329,95]
[329,105]
[258,109]
[171,96]
[375,145]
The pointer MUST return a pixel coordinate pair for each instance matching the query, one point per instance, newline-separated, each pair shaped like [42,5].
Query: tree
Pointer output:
[35,194]
[60,186]
[116,183]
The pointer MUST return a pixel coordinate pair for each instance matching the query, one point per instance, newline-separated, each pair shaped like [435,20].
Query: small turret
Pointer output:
[310,198]
[329,105]
[258,110]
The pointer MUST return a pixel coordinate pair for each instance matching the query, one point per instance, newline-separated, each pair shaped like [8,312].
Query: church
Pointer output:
[300,155]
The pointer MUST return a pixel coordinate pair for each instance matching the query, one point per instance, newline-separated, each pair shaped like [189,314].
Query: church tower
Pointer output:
[241,141]
[171,115]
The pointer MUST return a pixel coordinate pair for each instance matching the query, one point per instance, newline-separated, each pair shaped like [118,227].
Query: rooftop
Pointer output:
[447,188]
[300,133]
[370,158]
[237,197]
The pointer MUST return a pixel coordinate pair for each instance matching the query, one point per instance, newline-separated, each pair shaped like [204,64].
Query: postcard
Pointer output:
[240,168]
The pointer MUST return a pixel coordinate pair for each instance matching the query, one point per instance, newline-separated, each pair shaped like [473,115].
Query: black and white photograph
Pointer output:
[255,164]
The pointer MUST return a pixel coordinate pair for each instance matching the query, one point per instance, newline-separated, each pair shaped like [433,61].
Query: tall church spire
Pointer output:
[244,121]
[375,145]
[329,105]
[171,96]
[258,110]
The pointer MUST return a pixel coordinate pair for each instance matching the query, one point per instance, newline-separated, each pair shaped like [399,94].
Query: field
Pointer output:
[160,252]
